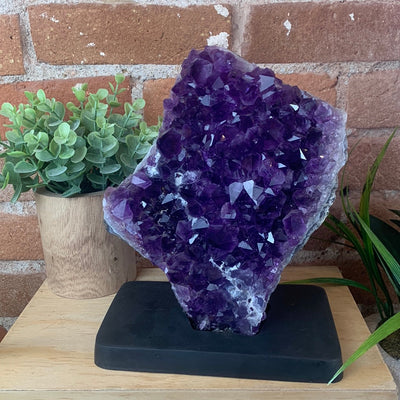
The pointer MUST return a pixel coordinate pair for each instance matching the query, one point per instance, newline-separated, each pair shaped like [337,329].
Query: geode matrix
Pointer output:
[244,170]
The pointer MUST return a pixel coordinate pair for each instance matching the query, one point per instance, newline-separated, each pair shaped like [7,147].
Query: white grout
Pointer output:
[21,267]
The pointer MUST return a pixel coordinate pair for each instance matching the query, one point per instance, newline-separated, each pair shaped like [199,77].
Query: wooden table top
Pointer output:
[48,354]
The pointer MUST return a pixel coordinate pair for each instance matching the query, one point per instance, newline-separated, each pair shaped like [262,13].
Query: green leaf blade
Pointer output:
[329,281]
[55,171]
[386,329]
[24,167]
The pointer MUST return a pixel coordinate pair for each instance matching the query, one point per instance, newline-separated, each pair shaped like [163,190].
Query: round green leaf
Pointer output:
[16,154]
[55,171]
[30,114]
[14,137]
[101,121]
[110,169]
[97,179]
[79,94]
[55,148]
[71,191]
[61,135]
[79,155]
[30,138]
[138,104]
[72,107]
[64,129]
[143,149]
[94,156]
[95,140]
[129,162]
[109,143]
[80,142]
[132,142]
[119,78]
[23,167]
[74,124]
[59,110]
[102,94]
[53,122]
[109,153]
[66,153]
[61,178]
[7,109]
[128,108]
[71,138]
[44,108]
[41,96]
[75,168]
[44,155]
[43,139]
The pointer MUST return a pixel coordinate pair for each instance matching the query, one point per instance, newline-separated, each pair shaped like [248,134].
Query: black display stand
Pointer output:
[146,330]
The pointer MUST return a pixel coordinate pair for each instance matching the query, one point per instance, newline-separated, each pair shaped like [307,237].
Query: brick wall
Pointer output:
[346,52]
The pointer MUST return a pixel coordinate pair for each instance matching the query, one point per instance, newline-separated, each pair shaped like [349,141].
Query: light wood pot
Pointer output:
[82,259]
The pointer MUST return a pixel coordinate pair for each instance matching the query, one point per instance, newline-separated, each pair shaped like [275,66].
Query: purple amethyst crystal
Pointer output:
[244,170]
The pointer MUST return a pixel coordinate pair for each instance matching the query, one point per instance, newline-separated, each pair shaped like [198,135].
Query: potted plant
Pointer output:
[68,155]
[377,245]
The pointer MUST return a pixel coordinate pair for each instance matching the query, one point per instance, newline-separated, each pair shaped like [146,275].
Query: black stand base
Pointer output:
[146,330]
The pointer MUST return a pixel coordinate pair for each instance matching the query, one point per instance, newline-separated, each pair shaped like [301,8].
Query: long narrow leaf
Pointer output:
[365,197]
[386,329]
[329,281]
[342,230]
[396,222]
[392,279]
[383,251]
[397,212]
[389,236]
[367,257]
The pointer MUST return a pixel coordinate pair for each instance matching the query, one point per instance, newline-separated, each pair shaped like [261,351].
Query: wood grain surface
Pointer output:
[48,354]
[82,259]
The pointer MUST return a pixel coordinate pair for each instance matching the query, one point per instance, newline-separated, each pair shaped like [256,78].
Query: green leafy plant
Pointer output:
[95,147]
[377,245]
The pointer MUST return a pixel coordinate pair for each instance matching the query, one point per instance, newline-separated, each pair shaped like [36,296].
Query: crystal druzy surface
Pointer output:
[244,170]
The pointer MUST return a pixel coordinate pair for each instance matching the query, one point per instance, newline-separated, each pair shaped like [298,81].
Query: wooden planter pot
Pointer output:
[82,259]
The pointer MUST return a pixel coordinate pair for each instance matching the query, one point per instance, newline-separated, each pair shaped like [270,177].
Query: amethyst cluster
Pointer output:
[244,170]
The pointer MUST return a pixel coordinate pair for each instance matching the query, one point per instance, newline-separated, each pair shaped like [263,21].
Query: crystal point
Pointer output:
[244,170]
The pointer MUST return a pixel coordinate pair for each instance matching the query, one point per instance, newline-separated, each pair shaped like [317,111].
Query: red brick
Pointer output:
[20,237]
[79,34]
[8,192]
[17,288]
[60,89]
[341,31]
[154,92]
[319,85]
[362,157]
[374,100]
[10,46]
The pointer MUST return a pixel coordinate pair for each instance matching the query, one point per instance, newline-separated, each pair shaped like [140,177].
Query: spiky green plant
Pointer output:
[377,245]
